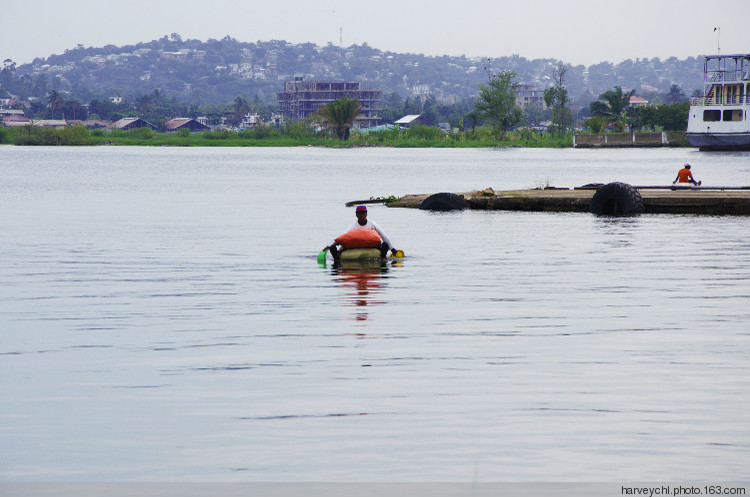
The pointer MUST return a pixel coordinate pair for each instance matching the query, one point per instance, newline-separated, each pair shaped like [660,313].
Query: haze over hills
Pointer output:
[218,71]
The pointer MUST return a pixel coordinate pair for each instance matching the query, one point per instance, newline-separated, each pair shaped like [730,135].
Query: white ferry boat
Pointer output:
[720,119]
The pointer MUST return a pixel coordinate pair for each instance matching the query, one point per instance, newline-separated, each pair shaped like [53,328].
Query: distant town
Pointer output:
[173,84]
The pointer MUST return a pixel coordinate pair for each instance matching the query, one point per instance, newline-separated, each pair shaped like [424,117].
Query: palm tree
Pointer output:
[240,107]
[339,116]
[675,95]
[144,104]
[55,102]
[597,124]
[613,104]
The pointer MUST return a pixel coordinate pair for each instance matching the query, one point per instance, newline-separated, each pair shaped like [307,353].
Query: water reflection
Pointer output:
[619,230]
[362,282]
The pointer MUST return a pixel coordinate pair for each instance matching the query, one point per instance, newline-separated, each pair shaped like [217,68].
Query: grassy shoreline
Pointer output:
[420,137]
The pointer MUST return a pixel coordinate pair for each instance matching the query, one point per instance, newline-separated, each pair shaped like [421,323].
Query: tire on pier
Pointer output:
[616,199]
[444,202]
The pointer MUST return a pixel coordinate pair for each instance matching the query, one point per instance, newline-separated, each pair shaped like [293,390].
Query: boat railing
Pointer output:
[727,76]
[727,100]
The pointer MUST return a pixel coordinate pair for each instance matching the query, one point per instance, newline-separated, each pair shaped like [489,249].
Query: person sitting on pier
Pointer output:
[684,175]
[363,222]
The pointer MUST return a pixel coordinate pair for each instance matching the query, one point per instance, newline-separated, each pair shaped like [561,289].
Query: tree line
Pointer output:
[495,107]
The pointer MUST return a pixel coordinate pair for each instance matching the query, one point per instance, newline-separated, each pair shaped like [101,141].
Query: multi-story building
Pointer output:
[529,95]
[302,98]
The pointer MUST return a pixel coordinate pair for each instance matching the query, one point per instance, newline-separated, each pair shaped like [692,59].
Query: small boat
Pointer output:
[357,254]
[362,255]
[720,119]
[358,260]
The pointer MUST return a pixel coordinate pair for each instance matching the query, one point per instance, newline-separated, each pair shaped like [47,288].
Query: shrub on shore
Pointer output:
[34,135]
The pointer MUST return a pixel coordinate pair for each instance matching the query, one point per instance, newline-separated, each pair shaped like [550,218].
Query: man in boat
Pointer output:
[684,175]
[363,222]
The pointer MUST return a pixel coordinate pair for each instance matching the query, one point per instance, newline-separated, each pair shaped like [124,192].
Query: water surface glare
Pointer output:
[163,318]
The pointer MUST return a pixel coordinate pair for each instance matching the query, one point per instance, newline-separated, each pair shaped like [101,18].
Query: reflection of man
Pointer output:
[363,287]
[684,175]
[363,222]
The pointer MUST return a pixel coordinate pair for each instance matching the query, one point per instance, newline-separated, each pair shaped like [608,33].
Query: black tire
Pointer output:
[444,202]
[616,199]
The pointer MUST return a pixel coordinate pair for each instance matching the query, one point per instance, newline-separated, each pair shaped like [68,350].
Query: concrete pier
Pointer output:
[623,140]
[656,200]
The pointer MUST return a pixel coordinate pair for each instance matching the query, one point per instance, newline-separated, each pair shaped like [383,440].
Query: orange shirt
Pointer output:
[684,175]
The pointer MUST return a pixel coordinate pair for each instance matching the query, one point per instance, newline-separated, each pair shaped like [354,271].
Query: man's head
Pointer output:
[687,166]
[361,212]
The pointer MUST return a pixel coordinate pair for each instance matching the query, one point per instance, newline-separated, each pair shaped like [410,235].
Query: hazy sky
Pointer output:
[578,32]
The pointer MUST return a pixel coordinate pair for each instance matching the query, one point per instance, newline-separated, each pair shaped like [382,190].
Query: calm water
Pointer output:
[163,318]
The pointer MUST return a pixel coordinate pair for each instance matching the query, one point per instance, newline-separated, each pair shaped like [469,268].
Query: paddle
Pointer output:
[399,254]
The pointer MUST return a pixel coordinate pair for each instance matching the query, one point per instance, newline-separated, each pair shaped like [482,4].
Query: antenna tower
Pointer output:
[718,40]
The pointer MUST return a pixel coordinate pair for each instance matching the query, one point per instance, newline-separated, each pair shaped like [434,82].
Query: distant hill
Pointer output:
[218,71]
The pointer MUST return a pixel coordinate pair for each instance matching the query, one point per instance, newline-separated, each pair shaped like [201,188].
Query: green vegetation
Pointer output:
[298,134]
[387,199]
[597,125]
[294,136]
[496,103]
[32,135]
[663,117]
[556,98]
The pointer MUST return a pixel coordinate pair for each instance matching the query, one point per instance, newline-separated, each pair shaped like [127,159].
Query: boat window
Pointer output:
[712,115]
[731,94]
[733,115]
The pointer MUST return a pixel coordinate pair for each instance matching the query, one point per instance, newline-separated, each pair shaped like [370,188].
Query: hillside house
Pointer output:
[250,121]
[420,90]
